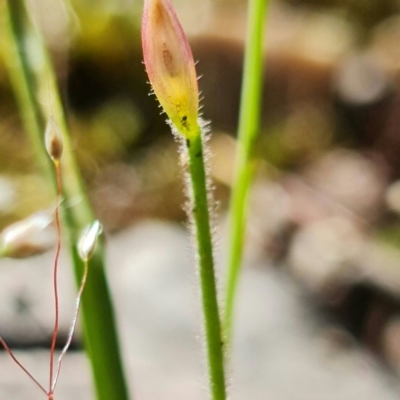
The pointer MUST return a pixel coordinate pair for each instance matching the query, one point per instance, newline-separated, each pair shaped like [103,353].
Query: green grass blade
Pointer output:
[249,124]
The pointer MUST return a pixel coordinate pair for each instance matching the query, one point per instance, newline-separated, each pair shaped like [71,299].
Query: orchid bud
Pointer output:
[169,64]
[88,241]
[53,140]
[31,236]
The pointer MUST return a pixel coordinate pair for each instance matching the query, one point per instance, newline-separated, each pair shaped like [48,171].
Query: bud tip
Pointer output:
[88,240]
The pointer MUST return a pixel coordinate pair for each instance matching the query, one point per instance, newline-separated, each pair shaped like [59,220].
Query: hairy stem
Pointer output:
[201,220]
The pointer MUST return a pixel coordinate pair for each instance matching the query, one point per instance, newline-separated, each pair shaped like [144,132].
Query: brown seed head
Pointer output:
[53,140]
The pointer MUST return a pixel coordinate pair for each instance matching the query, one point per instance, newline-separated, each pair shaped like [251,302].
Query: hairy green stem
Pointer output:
[201,219]
[249,123]
[34,83]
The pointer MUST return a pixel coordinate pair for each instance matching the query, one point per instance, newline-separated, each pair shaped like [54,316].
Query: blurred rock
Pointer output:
[379,264]
[391,342]
[307,204]
[364,95]
[151,186]
[268,221]
[385,38]
[323,254]
[341,183]
[23,195]
[222,152]
[392,197]
[74,382]
[8,195]
[267,226]
[27,302]
[352,180]
[365,14]
[303,51]
[360,80]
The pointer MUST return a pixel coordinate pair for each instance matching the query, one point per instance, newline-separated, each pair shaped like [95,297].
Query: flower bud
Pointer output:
[169,64]
[31,236]
[53,140]
[88,241]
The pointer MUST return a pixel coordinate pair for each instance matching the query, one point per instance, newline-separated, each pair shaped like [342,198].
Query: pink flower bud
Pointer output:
[169,64]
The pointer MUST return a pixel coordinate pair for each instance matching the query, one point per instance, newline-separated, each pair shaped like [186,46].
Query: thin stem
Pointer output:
[73,325]
[55,271]
[201,221]
[249,123]
[8,350]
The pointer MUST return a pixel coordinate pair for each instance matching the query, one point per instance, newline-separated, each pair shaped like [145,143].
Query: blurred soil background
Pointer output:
[319,308]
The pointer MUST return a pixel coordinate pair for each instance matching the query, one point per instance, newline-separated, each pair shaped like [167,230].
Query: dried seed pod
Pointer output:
[53,140]
[88,240]
[169,64]
[31,236]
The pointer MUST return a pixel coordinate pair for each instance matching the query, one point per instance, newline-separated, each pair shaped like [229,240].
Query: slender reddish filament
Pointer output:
[55,274]
[2,341]
[72,329]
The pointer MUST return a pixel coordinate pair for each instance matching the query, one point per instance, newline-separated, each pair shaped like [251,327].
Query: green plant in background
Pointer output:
[170,67]
[33,80]
[249,125]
